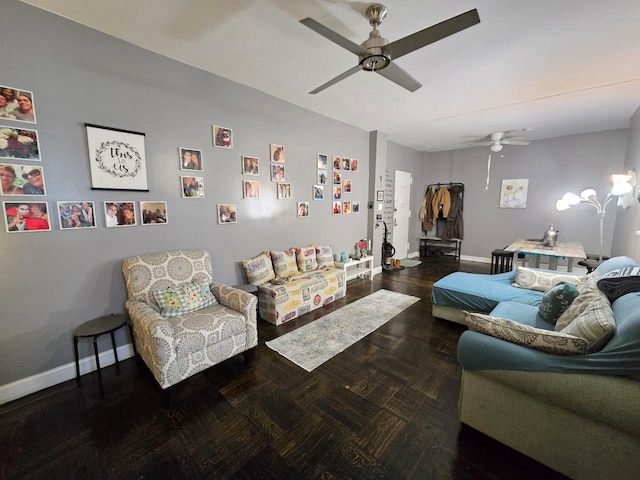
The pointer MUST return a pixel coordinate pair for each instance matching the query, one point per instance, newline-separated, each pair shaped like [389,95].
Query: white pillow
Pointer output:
[541,281]
[525,335]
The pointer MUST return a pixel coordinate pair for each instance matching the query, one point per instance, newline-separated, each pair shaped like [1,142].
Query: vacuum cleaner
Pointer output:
[388,251]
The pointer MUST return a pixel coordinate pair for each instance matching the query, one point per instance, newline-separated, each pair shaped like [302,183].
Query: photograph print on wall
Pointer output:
[250,166]
[322,160]
[153,213]
[192,187]
[22,180]
[76,214]
[227,213]
[190,159]
[19,143]
[277,153]
[222,137]
[250,189]
[17,104]
[120,214]
[26,216]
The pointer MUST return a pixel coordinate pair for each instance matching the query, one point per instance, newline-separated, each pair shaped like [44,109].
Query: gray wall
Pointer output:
[553,167]
[54,281]
[626,241]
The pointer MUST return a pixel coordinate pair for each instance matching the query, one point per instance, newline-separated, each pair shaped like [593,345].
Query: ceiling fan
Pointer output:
[497,139]
[376,54]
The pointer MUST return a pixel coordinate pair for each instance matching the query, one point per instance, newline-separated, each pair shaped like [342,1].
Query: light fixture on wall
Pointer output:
[621,186]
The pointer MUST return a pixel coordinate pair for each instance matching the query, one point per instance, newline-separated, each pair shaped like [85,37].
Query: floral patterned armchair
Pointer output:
[178,343]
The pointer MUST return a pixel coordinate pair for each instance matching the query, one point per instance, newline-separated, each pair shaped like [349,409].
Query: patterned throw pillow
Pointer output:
[587,294]
[595,323]
[184,298]
[284,263]
[525,335]
[541,280]
[306,257]
[324,256]
[556,300]
[259,269]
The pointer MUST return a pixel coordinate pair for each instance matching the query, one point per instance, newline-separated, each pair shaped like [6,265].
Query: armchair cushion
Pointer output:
[324,256]
[184,298]
[259,269]
[284,263]
[306,257]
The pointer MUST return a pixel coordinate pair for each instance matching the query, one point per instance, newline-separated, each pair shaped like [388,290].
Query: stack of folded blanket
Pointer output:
[619,282]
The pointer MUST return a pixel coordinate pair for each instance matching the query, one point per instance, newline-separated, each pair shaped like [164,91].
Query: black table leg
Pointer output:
[75,349]
[95,349]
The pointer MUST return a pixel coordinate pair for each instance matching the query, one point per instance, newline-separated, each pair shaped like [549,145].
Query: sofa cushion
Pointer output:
[184,298]
[556,300]
[537,338]
[543,280]
[587,292]
[306,257]
[284,263]
[259,269]
[595,323]
[324,256]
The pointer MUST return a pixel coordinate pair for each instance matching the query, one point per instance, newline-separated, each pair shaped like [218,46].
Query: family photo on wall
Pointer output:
[22,180]
[17,104]
[26,216]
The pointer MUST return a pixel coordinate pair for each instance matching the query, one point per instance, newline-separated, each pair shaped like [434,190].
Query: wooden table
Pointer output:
[569,250]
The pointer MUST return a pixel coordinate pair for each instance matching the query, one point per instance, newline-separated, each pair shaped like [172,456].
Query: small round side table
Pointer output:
[96,327]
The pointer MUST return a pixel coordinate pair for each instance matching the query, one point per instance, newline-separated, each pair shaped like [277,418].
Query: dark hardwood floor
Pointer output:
[386,408]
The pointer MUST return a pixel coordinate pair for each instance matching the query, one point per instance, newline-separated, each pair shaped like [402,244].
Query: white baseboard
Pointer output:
[413,254]
[40,381]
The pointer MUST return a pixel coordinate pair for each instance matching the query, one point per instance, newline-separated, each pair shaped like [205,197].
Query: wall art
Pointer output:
[322,160]
[76,214]
[337,163]
[222,137]
[19,143]
[120,214]
[277,173]
[322,177]
[17,104]
[250,189]
[346,164]
[337,208]
[22,180]
[513,193]
[337,178]
[250,166]
[337,193]
[355,207]
[347,186]
[26,216]
[276,153]
[283,190]
[303,209]
[190,159]
[153,213]
[346,208]
[318,192]
[227,213]
[192,187]
[117,159]
[354,164]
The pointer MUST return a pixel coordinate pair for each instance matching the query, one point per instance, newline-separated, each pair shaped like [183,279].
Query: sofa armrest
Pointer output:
[240,301]
[154,334]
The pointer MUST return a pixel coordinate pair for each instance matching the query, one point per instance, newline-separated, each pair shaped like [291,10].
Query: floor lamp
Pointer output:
[590,197]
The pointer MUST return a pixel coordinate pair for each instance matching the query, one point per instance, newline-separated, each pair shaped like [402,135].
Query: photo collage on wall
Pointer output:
[343,185]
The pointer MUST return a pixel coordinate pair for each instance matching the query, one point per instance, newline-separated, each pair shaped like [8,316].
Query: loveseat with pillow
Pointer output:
[295,281]
[561,385]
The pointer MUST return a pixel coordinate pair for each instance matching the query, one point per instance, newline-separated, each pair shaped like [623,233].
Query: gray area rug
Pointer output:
[315,343]
[407,262]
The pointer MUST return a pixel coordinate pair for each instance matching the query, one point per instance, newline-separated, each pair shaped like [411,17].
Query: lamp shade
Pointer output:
[621,188]
[588,193]
[562,205]
[571,199]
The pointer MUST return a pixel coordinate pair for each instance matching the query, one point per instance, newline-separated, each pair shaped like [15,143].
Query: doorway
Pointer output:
[401,213]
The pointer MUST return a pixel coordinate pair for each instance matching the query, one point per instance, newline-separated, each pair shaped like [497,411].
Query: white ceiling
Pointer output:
[558,67]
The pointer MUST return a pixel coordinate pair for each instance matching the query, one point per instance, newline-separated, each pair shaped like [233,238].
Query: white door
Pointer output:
[401,213]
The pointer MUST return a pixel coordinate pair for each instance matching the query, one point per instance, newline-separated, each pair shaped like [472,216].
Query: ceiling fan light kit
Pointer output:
[376,54]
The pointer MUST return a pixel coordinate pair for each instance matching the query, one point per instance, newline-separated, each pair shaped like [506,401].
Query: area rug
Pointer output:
[315,343]
[407,262]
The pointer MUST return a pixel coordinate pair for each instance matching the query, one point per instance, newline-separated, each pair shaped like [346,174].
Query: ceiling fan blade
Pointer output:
[397,75]
[334,37]
[432,34]
[514,142]
[342,76]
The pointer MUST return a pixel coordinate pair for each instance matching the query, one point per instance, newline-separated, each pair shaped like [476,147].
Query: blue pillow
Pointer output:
[556,300]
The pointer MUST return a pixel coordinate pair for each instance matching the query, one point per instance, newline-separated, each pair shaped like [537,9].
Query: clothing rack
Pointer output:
[449,184]
[445,229]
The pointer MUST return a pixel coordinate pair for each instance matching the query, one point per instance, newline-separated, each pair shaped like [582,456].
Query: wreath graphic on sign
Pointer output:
[121,174]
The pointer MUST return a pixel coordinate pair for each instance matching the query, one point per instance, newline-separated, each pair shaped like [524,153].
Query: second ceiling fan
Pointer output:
[376,54]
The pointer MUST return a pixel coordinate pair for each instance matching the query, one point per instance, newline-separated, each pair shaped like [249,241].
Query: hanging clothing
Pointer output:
[441,203]
[426,210]
[453,226]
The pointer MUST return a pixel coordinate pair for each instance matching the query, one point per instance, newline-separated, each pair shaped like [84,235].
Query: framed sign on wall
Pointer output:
[117,159]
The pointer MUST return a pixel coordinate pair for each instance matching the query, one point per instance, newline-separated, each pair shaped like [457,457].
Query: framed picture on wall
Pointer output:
[346,208]
[76,214]
[337,208]
[303,209]
[19,144]
[276,153]
[513,193]
[250,189]
[277,173]
[227,213]
[318,192]
[347,186]
[192,187]
[26,216]
[190,159]
[355,207]
[120,214]
[354,164]
[250,166]
[337,163]
[19,105]
[22,180]
[322,161]
[153,213]
[283,190]
[346,164]
[322,177]
[337,178]
[116,158]
[222,137]
[337,193]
